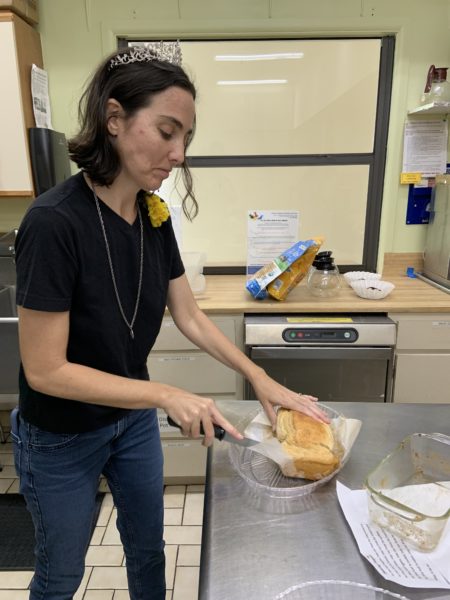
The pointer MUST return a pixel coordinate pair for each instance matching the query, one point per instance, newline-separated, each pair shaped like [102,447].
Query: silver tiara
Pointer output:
[163,51]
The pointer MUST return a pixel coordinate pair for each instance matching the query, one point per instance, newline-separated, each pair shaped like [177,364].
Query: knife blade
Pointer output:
[221,435]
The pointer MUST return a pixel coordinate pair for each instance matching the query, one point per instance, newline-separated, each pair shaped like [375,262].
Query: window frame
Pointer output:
[375,160]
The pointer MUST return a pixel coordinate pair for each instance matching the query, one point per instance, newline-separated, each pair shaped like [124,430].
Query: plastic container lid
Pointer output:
[324,261]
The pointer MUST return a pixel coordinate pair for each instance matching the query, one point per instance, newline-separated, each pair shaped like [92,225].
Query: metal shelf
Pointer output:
[439,108]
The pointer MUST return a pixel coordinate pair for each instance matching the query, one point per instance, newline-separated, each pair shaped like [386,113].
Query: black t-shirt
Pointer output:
[62,265]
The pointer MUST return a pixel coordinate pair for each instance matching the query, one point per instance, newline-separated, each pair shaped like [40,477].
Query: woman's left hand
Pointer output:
[271,393]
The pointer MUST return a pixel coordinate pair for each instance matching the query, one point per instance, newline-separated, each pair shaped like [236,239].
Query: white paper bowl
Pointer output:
[372,289]
[360,275]
[336,590]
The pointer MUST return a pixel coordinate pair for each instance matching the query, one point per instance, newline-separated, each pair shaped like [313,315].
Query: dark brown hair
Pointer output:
[133,85]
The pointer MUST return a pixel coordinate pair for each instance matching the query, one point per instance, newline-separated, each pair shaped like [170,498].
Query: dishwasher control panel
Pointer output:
[338,335]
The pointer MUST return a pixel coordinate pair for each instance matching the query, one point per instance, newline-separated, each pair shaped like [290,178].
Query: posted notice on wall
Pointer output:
[269,234]
[391,556]
[41,99]
[425,147]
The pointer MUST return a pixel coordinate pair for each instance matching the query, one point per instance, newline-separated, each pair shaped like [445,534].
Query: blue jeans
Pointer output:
[59,477]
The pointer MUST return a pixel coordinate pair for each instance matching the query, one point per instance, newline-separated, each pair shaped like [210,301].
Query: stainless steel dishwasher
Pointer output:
[343,358]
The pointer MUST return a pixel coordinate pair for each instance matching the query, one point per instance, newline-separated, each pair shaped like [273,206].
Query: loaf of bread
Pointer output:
[309,443]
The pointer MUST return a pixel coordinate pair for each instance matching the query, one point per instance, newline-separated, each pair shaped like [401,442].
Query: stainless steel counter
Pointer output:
[253,550]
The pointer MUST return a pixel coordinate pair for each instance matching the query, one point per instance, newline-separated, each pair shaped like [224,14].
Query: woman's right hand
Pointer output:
[194,414]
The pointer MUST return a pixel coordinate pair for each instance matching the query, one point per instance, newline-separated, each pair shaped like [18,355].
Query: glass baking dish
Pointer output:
[409,491]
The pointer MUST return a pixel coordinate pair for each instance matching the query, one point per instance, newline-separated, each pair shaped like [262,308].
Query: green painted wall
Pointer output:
[77,33]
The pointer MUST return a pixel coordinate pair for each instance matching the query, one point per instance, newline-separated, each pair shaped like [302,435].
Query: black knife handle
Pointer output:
[219,432]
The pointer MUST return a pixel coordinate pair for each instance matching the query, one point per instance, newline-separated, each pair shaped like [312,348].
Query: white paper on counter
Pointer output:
[432,499]
[260,429]
[390,554]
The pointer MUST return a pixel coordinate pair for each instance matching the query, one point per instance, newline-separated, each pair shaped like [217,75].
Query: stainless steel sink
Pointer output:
[9,343]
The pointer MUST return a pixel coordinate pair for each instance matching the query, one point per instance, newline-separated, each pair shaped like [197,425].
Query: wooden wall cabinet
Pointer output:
[20,47]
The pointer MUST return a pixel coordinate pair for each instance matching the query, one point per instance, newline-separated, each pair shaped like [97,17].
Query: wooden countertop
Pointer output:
[227,294]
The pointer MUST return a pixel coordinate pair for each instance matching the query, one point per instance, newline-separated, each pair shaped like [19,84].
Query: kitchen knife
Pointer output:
[221,434]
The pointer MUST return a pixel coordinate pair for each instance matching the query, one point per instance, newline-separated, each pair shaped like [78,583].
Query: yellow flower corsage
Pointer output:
[157,209]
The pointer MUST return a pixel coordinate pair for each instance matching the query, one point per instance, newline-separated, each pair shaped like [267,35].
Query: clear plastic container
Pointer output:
[409,491]
[264,476]
[193,264]
[337,590]
[437,88]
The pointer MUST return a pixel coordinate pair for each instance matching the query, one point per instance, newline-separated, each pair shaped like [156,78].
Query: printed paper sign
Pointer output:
[269,234]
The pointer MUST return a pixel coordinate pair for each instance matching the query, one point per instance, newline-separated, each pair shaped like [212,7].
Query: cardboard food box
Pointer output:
[27,9]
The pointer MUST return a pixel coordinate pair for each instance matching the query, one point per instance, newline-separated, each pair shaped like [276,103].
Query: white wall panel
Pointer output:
[15,174]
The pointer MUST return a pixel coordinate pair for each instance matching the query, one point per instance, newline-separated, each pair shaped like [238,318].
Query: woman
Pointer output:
[97,263]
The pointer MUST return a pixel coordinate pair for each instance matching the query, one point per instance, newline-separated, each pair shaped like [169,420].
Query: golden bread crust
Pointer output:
[309,443]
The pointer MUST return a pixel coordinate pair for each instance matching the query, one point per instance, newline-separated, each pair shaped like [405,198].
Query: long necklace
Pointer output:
[129,324]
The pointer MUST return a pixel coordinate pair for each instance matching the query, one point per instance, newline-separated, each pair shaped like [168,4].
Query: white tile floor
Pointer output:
[105,577]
